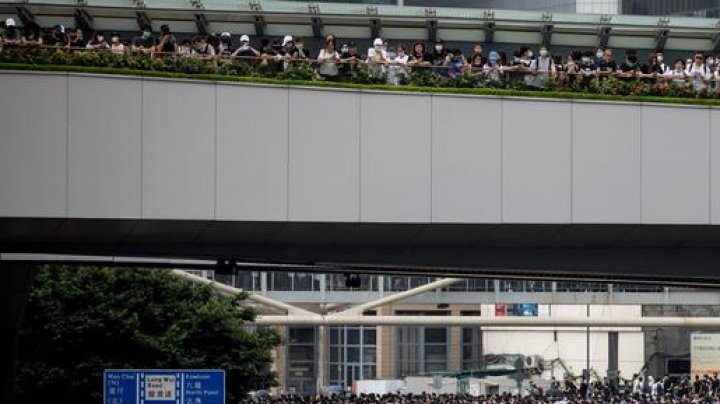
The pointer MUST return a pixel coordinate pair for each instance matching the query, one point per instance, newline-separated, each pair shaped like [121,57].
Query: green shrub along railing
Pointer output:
[138,64]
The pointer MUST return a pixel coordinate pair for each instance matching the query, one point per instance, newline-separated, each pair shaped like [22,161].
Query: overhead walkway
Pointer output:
[357,181]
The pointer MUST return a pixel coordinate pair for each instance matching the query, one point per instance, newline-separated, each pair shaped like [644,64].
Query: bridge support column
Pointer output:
[15,281]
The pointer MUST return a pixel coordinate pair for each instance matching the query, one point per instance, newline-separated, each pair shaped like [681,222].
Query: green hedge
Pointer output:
[611,89]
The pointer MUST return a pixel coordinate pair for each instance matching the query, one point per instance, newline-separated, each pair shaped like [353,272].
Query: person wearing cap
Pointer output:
[12,33]
[377,58]
[245,52]
[225,45]
[145,42]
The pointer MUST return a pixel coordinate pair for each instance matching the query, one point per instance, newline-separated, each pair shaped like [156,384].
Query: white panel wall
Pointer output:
[606,163]
[675,165]
[466,159]
[155,148]
[178,150]
[395,158]
[536,161]
[33,141]
[324,156]
[104,158]
[715,165]
[252,153]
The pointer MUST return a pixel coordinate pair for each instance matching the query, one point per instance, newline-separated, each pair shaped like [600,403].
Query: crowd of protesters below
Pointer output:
[704,389]
[388,63]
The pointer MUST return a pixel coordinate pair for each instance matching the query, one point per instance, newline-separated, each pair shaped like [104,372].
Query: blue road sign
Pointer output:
[159,386]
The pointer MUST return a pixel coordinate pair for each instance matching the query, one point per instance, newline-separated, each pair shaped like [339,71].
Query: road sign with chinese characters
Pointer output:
[164,387]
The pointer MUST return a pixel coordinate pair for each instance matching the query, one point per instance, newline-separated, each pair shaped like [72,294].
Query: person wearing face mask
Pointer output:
[456,63]
[377,58]
[599,54]
[202,48]
[397,67]
[98,42]
[350,59]
[145,42]
[544,68]
[698,72]
[493,69]
[225,45]
[439,57]
[714,73]
[630,68]
[185,48]
[606,66]
[116,46]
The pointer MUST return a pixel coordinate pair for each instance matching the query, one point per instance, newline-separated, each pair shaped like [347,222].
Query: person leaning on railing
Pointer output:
[98,42]
[327,61]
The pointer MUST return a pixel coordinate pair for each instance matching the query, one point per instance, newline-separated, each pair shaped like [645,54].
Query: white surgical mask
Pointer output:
[438,48]
[530,54]
[115,39]
[100,38]
[344,49]
[543,52]
[599,55]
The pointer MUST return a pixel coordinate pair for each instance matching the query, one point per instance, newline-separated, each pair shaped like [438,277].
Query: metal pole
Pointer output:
[587,346]
[320,366]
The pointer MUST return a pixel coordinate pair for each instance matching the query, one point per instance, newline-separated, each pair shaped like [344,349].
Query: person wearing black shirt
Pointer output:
[56,37]
[145,42]
[76,40]
[167,44]
[419,57]
[31,34]
[606,65]
[439,57]
[12,33]
[349,59]
[630,67]
[477,60]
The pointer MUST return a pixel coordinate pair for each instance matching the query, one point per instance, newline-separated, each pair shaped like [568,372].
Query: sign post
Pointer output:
[159,386]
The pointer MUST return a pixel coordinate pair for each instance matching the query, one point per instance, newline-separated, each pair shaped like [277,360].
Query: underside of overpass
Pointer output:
[668,254]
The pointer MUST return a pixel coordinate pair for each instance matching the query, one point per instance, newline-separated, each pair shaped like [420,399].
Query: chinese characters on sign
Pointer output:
[164,387]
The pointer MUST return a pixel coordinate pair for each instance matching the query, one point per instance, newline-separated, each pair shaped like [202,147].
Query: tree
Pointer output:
[81,321]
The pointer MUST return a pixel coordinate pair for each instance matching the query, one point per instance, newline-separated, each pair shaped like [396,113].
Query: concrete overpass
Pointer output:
[358,180]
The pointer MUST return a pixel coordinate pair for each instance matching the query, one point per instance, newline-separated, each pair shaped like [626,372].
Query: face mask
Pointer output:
[438,48]
[599,55]
[378,48]
[585,60]
[493,60]
[146,34]
[660,59]
[530,54]
[543,52]
[100,38]
[115,39]
[344,49]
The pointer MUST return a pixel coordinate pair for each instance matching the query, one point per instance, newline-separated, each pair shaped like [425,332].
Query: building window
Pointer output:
[421,350]
[353,353]
[472,348]
[300,371]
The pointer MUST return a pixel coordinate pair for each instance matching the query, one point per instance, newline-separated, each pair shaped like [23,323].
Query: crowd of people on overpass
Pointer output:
[338,59]
[666,390]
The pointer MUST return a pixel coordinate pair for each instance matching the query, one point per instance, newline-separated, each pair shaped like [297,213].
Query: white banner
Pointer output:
[704,354]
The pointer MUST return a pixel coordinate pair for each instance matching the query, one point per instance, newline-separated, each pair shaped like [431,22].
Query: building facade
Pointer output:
[316,357]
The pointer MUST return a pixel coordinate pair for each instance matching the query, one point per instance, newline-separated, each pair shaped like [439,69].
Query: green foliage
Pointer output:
[82,321]
[420,80]
[298,71]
